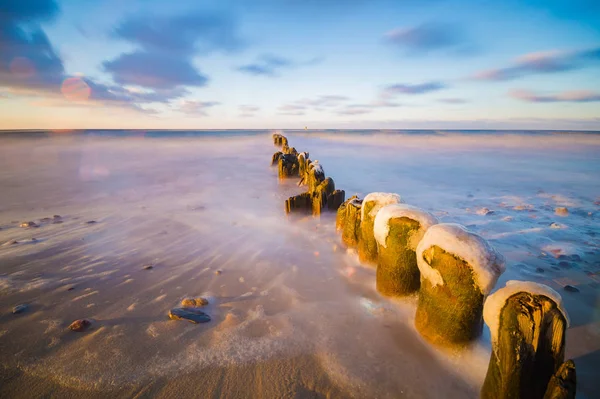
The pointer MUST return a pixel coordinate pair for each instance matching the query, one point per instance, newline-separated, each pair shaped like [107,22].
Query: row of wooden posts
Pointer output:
[453,271]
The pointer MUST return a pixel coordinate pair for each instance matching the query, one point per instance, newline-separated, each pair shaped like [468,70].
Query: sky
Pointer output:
[278,64]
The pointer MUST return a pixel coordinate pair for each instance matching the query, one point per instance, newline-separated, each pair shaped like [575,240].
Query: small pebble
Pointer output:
[570,288]
[564,264]
[561,211]
[241,280]
[575,258]
[539,270]
[20,308]
[90,222]
[80,325]
[56,217]
[218,272]
[28,224]
[148,267]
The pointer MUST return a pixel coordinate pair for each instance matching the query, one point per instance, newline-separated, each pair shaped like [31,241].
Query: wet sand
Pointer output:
[293,314]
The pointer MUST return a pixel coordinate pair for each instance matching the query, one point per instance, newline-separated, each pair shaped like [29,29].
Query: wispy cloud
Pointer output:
[576,96]
[195,107]
[542,63]
[248,111]
[453,100]
[413,89]
[272,65]
[431,37]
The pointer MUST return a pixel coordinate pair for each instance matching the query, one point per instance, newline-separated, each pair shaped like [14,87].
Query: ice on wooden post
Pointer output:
[288,166]
[527,323]
[367,247]
[349,222]
[398,228]
[458,270]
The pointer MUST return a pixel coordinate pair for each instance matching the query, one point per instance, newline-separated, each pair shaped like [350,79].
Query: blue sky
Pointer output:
[435,64]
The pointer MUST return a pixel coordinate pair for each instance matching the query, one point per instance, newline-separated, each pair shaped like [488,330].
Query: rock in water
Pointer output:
[193,315]
[20,308]
[458,269]
[194,302]
[80,325]
[563,384]
[351,223]
[28,224]
[527,323]
[398,228]
[367,247]
[148,267]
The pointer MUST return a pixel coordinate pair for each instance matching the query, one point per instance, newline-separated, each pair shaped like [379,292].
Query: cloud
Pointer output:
[197,108]
[453,100]
[28,61]
[248,111]
[197,32]
[357,109]
[542,63]
[431,37]
[576,96]
[412,89]
[271,65]
[153,70]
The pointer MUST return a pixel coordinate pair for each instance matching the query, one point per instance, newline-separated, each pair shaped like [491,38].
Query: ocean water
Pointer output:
[291,305]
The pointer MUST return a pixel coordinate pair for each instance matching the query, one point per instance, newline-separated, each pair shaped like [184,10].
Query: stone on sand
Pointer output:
[20,308]
[28,224]
[80,325]
[561,211]
[194,302]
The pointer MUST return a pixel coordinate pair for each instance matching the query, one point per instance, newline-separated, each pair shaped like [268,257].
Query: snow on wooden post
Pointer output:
[367,247]
[398,228]
[288,166]
[458,270]
[527,323]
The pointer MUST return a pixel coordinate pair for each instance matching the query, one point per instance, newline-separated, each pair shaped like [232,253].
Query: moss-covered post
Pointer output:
[276,156]
[340,218]
[398,228]
[320,194]
[315,176]
[351,231]
[367,247]
[302,202]
[458,270]
[527,324]
[303,162]
[335,199]
[563,384]
[288,166]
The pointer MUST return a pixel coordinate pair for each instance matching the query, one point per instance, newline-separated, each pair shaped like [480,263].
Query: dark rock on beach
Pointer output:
[193,315]
[570,288]
[20,308]
[28,224]
[80,325]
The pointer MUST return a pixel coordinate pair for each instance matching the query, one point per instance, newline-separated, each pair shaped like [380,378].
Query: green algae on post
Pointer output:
[398,228]
[458,270]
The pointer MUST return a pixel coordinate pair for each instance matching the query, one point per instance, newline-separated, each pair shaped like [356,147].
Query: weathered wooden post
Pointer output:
[527,323]
[288,166]
[367,246]
[458,270]
[398,228]
[348,221]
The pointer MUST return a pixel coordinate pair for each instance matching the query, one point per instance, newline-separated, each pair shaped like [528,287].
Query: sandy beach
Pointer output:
[294,314]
